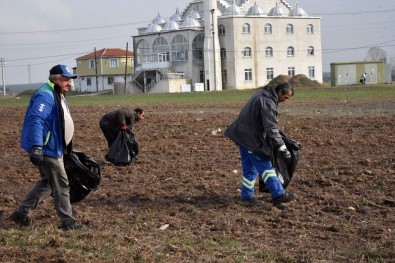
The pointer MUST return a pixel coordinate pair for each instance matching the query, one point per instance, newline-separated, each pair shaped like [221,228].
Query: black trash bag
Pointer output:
[83,174]
[284,170]
[124,149]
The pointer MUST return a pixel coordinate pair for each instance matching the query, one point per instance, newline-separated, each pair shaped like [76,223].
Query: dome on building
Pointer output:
[276,11]
[297,11]
[159,20]
[171,25]
[233,10]
[189,22]
[255,10]
[176,17]
[152,28]
[194,14]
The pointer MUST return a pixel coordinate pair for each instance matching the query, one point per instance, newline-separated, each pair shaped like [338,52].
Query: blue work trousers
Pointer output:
[253,166]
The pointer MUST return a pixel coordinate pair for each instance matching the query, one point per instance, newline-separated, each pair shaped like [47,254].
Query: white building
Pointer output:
[227,44]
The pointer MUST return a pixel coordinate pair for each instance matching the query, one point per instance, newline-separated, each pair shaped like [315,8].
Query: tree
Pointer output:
[376,54]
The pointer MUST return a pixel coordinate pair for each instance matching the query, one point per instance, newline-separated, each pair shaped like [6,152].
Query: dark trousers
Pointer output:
[109,130]
[53,180]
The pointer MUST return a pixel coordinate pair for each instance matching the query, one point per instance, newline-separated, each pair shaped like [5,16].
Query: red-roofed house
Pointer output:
[99,70]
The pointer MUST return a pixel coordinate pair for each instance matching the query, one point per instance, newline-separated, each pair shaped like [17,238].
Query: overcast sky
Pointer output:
[37,34]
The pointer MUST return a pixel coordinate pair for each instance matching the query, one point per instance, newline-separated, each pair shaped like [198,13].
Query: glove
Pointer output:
[285,153]
[36,155]
[123,127]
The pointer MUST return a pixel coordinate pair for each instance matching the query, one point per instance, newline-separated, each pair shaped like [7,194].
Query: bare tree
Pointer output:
[376,54]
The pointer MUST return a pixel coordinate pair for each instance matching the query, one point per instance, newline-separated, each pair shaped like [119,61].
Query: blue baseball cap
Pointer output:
[62,70]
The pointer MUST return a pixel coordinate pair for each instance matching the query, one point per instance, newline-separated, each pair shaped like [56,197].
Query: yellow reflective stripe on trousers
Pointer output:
[267,174]
[247,183]
[47,138]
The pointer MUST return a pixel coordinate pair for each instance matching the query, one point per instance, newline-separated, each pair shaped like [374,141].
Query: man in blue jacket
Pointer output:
[46,135]
[257,134]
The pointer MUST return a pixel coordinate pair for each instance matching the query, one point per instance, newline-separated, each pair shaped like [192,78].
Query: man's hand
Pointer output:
[36,155]
[123,127]
[285,153]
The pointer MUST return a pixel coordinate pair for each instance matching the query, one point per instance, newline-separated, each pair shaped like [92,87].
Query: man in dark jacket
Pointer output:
[114,122]
[257,133]
[47,133]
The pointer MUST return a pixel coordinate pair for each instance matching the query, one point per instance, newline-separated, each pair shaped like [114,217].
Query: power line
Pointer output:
[355,13]
[71,29]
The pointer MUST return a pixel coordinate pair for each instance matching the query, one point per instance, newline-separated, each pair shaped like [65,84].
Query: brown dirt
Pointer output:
[183,177]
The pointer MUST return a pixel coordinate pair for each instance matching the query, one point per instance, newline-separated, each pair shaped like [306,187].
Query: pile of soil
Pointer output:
[299,81]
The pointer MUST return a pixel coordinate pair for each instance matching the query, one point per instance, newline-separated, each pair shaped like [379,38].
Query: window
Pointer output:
[269,52]
[181,74]
[179,48]
[246,29]
[291,71]
[269,73]
[310,29]
[311,72]
[221,30]
[224,75]
[290,52]
[290,29]
[223,53]
[248,74]
[247,52]
[268,29]
[88,81]
[197,47]
[113,62]
[160,45]
[143,51]
[310,51]
[92,64]
[132,62]
[110,80]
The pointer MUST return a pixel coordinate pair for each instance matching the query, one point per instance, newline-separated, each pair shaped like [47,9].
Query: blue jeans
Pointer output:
[53,181]
[254,165]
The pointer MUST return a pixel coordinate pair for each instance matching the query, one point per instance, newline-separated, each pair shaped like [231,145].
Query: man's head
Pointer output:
[61,76]
[284,91]
[139,114]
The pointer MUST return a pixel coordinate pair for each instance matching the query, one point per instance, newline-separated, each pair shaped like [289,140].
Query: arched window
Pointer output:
[310,29]
[268,29]
[310,51]
[160,45]
[290,29]
[290,52]
[179,48]
[221,30]
[269,52]
[160,49]
[246,28]
[247,52]
[197,47]
[223,53]
[142,51]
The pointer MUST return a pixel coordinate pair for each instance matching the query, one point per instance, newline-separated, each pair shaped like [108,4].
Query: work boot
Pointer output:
[70,225]
[280,202]
[252,202]
[21,219]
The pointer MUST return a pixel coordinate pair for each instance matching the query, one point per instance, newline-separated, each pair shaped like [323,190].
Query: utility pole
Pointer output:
[2,62]
[97,84]
[28,69]
[215,66]
[126,67]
